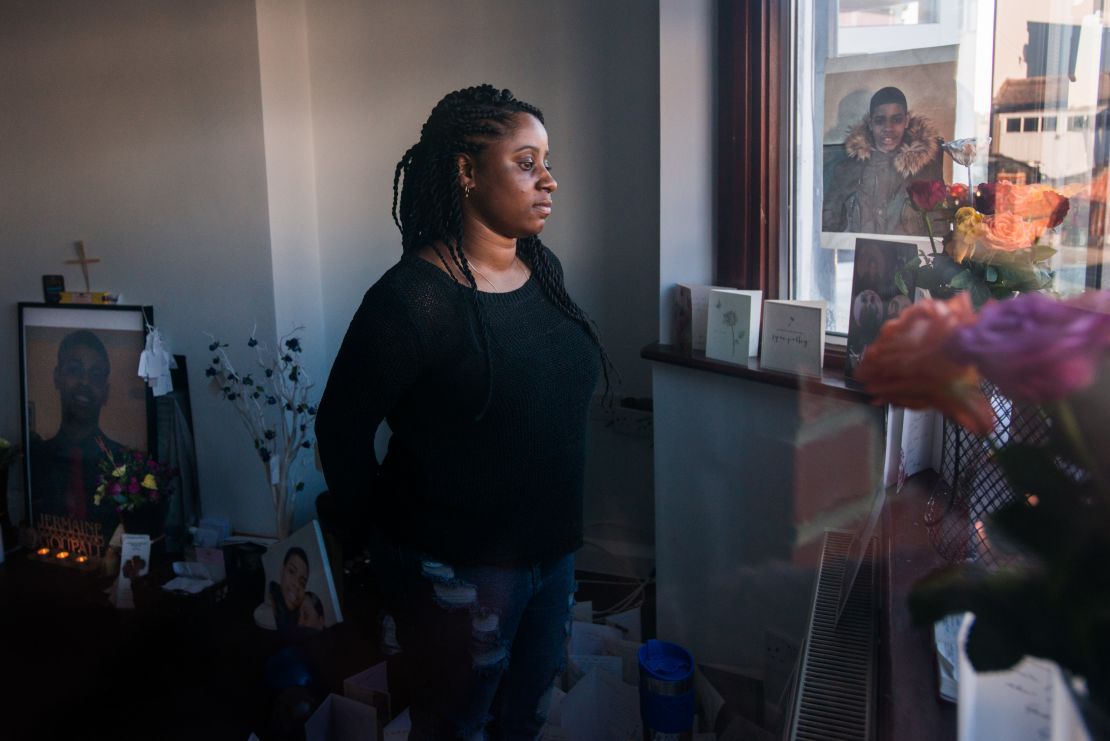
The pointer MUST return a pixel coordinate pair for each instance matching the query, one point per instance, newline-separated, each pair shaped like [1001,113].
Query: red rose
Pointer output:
[927,194]
[959,195]
[1059,210]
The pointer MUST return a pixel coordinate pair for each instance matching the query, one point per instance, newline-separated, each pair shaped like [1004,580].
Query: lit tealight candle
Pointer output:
[82,559]
[43,551]
[61,554]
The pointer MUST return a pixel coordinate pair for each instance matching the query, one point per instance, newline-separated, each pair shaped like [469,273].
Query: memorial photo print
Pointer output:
[882,131]
[82,396]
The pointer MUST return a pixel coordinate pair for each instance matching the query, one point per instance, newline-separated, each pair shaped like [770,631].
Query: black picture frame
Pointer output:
[98,389]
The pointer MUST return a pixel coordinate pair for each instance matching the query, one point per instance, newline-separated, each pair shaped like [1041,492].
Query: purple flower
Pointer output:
[1037,349]
[133,487]
[114,488]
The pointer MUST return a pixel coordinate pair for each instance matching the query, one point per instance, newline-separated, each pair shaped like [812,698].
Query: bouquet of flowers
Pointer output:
[1047,353]
[997,243]
[273,405]
[132,480]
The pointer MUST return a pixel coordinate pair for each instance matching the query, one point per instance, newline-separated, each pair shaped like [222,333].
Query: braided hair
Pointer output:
[428,210]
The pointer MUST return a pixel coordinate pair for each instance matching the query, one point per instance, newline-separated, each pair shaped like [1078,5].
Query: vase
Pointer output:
[972,486]
[147,521]
[143,521]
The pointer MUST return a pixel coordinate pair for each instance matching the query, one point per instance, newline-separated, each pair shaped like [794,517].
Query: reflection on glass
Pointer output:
[1045,112]
[860,13]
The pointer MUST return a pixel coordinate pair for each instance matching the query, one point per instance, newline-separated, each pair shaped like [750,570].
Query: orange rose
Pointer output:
[1007,232]
[907,366]
[1037,202]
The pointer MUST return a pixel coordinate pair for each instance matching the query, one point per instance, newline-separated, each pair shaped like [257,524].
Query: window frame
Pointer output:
[752,246]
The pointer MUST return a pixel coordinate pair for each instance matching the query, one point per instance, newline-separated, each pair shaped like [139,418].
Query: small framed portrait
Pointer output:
[82,398]
[876,296]
[300,591]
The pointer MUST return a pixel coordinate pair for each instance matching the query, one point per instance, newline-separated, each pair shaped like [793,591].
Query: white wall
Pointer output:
[136,125]
[687,79]
[291,191]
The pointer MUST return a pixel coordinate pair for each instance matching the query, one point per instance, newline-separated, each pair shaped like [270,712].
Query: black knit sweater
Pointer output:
[503,488]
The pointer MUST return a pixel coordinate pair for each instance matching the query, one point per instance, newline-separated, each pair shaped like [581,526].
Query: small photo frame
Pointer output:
[876,297]
[300,593]
[80,395]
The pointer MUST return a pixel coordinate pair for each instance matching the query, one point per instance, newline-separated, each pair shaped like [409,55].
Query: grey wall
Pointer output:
[377,69]
[136,125]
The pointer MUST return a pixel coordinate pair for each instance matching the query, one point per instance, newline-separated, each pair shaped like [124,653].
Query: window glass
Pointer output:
[877,84]
[855,13]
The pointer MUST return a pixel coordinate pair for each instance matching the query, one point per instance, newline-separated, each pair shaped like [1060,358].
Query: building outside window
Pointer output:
[954,62]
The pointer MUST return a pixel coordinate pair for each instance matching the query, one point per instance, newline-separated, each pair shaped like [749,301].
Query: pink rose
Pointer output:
[1034,348]
[905,366]
[1008,233]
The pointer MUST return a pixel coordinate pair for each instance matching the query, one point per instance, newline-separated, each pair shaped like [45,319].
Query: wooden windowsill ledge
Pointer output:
[830,383]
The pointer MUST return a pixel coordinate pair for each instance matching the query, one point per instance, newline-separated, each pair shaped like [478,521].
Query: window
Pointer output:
[856,13]
[944,65]
[1077,123]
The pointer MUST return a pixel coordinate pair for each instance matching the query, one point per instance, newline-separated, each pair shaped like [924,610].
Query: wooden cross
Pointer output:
[84,262]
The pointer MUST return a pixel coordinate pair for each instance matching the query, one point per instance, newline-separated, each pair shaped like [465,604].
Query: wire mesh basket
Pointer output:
[972,485]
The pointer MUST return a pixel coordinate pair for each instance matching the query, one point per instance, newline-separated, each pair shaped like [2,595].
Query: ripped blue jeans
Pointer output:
[485,642]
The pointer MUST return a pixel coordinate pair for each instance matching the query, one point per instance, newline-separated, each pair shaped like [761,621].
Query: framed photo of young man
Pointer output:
[81,396]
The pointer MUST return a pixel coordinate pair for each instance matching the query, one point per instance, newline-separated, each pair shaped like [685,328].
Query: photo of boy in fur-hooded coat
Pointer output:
[889,149]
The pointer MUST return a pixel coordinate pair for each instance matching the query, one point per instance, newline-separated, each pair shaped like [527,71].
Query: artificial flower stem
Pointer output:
[1070,426]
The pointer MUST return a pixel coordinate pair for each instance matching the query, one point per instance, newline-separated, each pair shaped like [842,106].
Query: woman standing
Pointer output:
[483,366]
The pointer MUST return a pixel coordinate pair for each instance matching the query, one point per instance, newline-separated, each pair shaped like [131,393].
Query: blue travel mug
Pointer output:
[666,690]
